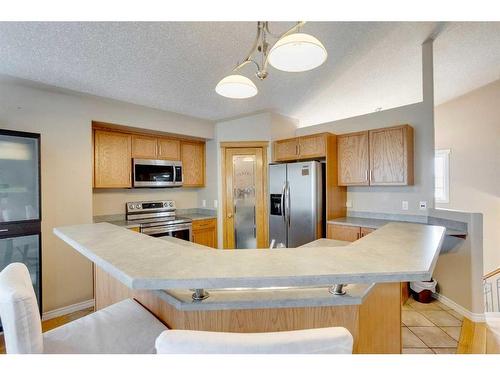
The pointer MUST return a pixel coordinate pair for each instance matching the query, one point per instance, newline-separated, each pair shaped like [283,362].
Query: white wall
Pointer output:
[421,117]
[64,121]
[470,127]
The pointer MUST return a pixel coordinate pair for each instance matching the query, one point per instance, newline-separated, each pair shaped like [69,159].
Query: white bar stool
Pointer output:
[334,340]
[123,328]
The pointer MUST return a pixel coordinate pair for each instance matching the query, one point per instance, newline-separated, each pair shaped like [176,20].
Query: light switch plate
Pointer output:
[348,204]
[215,203]
[423,205]
[404,205]
[204,203]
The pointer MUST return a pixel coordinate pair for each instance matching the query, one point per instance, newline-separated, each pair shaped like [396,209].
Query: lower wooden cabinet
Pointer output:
[346,232]
[205,232]
[135,229]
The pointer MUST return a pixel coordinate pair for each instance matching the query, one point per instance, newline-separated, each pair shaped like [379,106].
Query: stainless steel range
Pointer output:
[158,219]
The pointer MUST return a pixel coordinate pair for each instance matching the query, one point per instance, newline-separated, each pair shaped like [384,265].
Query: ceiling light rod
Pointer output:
[261,45]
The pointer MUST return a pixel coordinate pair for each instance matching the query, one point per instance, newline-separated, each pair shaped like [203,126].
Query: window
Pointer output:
[442,176]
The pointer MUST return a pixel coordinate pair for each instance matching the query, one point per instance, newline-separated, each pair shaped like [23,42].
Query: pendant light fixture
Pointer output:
[237,87]
[293,52]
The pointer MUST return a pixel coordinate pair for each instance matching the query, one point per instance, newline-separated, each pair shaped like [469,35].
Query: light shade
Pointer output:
[297,53]
[236,87]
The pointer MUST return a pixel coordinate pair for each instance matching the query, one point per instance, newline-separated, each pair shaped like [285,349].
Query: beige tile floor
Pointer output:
[430,328]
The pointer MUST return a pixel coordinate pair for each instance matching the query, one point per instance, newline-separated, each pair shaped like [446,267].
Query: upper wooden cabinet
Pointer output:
[312,146]
[376,157]
[306,147]
[114,150]
[391,156]
[353,158]
[169,149]
[144,147]
[193,163]
[286,149]
[112,160]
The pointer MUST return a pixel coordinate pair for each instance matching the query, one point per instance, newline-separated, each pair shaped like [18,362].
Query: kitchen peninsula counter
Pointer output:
[264,290]
[394,253]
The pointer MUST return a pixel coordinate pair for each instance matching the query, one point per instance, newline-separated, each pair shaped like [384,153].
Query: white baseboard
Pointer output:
[68,309]
[475,317]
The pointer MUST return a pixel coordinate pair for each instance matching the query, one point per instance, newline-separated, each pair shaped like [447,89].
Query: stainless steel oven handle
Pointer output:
[166,229]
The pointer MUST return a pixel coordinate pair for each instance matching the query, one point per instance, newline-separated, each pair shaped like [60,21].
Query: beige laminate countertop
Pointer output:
[396,252]
[378,223]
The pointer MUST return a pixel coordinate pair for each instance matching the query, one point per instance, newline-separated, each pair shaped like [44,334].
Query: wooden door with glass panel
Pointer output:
[244,222]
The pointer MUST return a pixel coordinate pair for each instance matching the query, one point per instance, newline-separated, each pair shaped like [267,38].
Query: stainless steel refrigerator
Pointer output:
[20,203]
[296,203]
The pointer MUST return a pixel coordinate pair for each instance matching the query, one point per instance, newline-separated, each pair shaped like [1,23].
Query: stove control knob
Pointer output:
[131,206]
[165,204]
[171,204]
[137,206]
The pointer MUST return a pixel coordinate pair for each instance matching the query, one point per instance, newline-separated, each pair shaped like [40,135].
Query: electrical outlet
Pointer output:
[215,203]
[423,205]
[204,203]
[404,205]
[348,204]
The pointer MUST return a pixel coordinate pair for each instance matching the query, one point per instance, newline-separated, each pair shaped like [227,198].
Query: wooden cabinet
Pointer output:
[376,157]
[114,148]
[144,147]
[312,146]
[365,231]
[193,163]
[169,149]
[306,147]
[205,232]
[343,232]
[286,149]
[391,156]
[353,158]
[135,229]
[347,232]
[112,160]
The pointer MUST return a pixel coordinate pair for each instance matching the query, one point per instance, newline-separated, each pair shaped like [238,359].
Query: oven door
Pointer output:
[180,231]
[155,173]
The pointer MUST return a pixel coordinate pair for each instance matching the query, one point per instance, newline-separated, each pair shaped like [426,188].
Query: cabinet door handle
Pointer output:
[370,175]
[366,175]
[4,230]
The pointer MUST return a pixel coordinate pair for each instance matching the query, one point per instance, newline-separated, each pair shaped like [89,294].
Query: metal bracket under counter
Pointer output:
[259,298]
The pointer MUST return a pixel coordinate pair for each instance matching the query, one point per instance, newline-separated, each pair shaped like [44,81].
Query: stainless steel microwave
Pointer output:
[157,173]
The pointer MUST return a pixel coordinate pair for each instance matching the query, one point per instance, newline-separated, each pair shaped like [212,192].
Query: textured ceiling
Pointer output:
[175,65]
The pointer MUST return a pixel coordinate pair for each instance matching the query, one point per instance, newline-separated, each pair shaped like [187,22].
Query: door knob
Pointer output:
[229,215]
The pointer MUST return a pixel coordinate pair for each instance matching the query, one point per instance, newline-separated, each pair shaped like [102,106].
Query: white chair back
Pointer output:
[334,340]
[19,311]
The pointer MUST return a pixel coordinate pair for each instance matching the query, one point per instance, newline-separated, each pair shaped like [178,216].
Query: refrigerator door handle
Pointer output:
[287,203]
[283,191]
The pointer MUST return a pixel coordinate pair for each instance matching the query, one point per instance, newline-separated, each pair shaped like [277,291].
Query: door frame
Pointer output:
[245,144]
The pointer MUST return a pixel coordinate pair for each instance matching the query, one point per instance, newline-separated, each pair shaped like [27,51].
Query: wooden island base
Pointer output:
[375,324]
